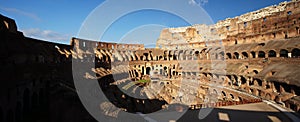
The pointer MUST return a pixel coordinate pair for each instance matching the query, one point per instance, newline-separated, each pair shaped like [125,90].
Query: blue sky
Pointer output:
[59,20]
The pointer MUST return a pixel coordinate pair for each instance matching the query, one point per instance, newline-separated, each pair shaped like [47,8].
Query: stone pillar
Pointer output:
[264,84]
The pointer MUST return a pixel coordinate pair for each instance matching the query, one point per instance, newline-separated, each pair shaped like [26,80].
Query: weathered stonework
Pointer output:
[240,60]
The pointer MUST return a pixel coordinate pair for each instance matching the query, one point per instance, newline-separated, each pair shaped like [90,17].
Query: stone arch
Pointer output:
[271,53]
[236,55]
[221,55]
[108,56]
[165,56]
[209,75]
[245,55]
[253,54]
[231,96]
[284,53]
[228,80]
[136,73]
[151,56]
[202,54]
[180,55]
[160,57]
[146,56]
[243,80]
[131,58]
[235,79]
[126,55]
[171,54]
[261,54]
[136,56]
[240,98]
[196,57]
[142,58]
[295,53]
[259,82]
[224,93]
[175,55]
[255,71]
[186,54]
[228,55]
[148,69]
[215,92]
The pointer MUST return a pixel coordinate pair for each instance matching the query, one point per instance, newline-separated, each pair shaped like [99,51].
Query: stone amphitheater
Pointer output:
[249,62]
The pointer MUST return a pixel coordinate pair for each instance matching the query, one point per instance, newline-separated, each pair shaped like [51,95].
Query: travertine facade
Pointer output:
[256,53]
[246,59]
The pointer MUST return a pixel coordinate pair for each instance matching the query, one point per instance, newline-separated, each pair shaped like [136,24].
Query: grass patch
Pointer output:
[143,81]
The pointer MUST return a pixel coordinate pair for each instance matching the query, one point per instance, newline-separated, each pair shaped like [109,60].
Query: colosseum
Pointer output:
[246,68]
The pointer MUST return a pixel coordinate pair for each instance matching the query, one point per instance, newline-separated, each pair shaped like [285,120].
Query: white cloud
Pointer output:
[20,12]
[198,2]
[46,35]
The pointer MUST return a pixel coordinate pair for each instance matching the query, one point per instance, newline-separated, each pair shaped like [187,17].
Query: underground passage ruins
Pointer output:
[244,66]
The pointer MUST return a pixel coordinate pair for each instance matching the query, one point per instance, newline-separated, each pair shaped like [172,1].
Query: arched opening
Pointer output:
[151,56]
[235,80]
[253,54]
[236,55]
[136,73]
[261,54]
[245,55]
[224,97]
[259,82]
[174,57]
[170,55]
[104,58]
[243,80]
[148,69]
[165,55]
[272,53]
[131,58]
[180,55]
[228,55]
[196,55]
[232,97]
[221,55]
[223,93]
[284,53]
[215,92]
[136,57]
[160,58]
[255,71]
[143,69]
[295,53]
[240,99]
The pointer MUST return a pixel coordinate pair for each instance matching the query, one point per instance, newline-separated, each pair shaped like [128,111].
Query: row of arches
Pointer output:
[218,54]
[294,53]
[205,54]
